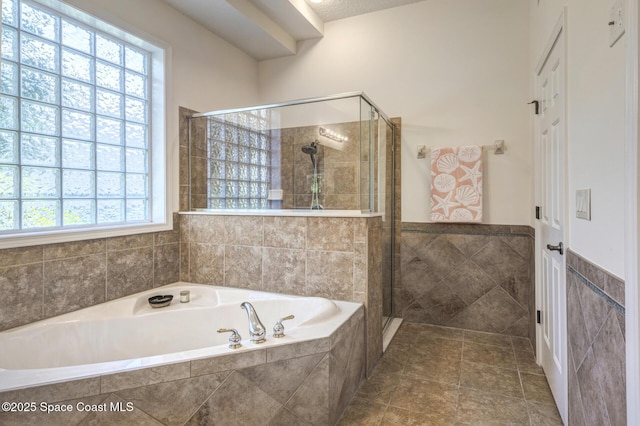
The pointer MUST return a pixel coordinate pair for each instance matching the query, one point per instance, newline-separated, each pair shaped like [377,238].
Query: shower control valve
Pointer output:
[278,329]
[234,339]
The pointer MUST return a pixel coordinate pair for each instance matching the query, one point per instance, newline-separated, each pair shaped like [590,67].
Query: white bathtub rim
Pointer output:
[11,380]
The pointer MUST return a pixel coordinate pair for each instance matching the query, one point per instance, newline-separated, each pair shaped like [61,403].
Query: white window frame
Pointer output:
[160,215]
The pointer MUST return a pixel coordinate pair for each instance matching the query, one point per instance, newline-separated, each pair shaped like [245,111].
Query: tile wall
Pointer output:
[47,280]
[336,258]
[308,383]
[339,169]
[475,277]
[596,330]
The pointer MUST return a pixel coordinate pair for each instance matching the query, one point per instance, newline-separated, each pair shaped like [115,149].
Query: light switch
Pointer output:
[616,22]
[583,204]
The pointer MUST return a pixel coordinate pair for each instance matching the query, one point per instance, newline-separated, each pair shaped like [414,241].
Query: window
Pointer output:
[239,161]
[75,121]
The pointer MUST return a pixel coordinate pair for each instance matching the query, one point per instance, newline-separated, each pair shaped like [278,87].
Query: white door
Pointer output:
[551,196]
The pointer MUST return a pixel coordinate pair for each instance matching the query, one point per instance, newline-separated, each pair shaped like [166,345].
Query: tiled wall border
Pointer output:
[603,283]
[617,306]
[468,229]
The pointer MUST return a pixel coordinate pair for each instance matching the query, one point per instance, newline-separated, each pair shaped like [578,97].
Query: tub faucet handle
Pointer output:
[234,339]
[278,329]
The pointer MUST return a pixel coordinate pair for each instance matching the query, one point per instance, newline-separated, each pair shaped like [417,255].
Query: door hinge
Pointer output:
[537,212]
[537,106]
[539,317]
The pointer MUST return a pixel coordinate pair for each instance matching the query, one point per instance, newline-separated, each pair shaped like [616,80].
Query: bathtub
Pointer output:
[127,334]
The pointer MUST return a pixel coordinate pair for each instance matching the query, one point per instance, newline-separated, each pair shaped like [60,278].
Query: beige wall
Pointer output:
[596,110]
[456,71]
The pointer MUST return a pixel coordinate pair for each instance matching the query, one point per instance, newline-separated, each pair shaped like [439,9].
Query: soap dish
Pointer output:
[160,301]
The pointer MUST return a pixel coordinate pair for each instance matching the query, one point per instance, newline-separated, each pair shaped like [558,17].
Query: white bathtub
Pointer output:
[127,334]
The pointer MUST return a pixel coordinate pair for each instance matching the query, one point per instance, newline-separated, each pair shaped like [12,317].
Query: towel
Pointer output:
[456,184]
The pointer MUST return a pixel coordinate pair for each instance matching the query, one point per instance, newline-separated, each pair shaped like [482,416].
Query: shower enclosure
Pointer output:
[318,155]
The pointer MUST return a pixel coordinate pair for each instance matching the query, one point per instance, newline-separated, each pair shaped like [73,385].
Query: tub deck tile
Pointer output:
[233,361]
[281,379]
[278,353]
[144,377]
[55,392]
[311,401]
[237,401]
[173,403]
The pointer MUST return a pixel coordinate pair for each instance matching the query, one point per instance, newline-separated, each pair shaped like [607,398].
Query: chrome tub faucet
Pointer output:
[256,328]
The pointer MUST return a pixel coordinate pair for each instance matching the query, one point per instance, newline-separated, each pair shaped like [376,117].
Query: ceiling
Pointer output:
[268,29]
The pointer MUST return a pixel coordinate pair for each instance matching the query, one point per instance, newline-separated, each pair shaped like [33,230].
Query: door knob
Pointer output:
[556,248]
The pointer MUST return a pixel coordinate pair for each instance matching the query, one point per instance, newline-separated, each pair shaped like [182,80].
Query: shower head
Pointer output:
[311,149]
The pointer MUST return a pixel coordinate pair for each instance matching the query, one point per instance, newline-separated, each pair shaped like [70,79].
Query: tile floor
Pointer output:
[433,375]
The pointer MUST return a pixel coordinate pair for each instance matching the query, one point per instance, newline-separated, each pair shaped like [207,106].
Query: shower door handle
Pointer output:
[556,248]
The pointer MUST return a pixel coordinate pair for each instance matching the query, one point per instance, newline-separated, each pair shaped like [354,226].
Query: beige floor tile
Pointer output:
[399,417]
[499,381]
[434,375]
[424,395]
[536,388]
[398,352]
[503,357]
[521,344]
[440,368]
[379,387]
[390,364]
[544,414]
[438,347]
[527,362]
[411,332]
[442,332]
[478,407]
[487,338]
[362,413]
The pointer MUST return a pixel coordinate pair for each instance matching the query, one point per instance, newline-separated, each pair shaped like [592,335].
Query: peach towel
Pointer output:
[456,184]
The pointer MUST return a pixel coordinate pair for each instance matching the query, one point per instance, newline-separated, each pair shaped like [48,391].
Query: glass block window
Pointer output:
[238,156]
[74,123]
